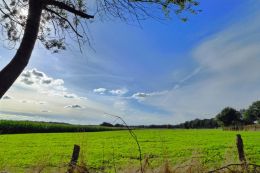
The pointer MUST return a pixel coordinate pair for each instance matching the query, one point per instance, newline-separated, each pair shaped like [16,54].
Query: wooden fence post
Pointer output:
[241,153]
[240,148]
[74,159]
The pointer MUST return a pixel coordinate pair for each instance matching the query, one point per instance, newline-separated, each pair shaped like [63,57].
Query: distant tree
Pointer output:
[119,125]
[107,124]
[198,124]
[52,21]
[229,116]
[252,113]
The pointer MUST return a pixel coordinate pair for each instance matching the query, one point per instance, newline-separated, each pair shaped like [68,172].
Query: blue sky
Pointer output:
[161,72]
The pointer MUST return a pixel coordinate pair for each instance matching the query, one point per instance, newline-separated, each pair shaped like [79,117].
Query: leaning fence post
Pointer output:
[241,154]
[74,159]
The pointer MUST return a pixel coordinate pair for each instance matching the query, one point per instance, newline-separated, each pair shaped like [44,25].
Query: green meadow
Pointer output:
[112,150]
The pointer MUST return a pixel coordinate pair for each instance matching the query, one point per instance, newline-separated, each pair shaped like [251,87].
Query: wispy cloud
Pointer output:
[186,78]
[227,75]
[45,111]
[141,96]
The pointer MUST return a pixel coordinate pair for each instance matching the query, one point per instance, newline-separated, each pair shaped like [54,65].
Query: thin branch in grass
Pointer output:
[134,137]
[113,157]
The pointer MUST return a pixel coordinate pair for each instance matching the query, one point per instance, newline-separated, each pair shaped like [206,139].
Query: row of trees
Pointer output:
[227,117]
[193,124]
[231,117]
[198,124]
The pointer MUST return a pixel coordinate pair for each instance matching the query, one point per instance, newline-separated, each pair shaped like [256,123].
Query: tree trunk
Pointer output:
[16,66]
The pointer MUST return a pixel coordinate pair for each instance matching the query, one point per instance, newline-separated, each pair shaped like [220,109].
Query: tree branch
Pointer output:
[12,19]
[66,7]
[63,18]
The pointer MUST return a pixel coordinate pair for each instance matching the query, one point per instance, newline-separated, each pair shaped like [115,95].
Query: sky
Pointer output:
[162,72]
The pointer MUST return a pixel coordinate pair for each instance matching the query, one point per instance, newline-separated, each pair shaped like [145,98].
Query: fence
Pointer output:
[244,166]
[253,127]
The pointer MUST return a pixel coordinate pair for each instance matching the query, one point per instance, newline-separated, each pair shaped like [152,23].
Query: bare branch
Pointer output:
[68,8]
[12,19]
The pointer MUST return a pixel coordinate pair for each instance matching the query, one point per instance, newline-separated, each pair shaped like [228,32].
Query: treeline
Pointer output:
[193,124]
[13,127]
[199,124]
[228,117]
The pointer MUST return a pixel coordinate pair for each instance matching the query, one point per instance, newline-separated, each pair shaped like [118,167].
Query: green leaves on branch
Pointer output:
[252,114]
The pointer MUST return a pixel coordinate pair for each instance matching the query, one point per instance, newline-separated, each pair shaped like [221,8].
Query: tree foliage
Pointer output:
[229,116]
[62,19]
[198,124]
[106,124]
[252,113]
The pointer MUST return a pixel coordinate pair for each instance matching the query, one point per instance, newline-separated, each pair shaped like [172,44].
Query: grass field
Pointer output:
[116,149]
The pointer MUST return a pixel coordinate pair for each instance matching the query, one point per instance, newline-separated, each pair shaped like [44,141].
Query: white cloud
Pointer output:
[70,96]
[100,90]
[36,80]
[37,73]
[40,81]
[119,91]
[41,102]
[6,97]
[45,111]
[141,96]
[83,98]
[75,106]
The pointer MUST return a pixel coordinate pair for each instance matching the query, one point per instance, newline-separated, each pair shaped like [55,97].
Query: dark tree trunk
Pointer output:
[12,70]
